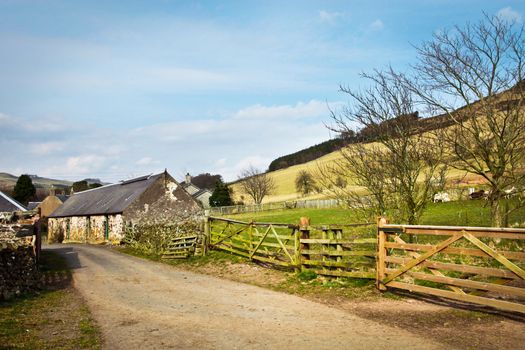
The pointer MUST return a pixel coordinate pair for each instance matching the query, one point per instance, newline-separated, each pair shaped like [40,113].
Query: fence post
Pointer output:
[327,247]
[304,224]
[297,249]
[381,253]
[206,240]
[339,247]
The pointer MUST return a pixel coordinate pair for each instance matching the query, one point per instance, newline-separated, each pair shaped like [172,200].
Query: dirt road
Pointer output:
[146,305]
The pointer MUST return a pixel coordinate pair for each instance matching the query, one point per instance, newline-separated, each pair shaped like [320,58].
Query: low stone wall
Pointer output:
[155,238]
[18,271]
[18,267]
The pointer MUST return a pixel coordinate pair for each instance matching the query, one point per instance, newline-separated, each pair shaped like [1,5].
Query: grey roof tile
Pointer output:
[8,204]
[109,199]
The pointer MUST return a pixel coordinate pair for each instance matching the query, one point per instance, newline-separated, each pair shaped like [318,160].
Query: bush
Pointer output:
[307,275]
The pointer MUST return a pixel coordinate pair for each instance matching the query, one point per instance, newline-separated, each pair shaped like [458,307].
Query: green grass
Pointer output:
[459,213]
[54,318]
[292,216]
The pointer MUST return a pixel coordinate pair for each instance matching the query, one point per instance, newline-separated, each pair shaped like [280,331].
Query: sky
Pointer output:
[114,89]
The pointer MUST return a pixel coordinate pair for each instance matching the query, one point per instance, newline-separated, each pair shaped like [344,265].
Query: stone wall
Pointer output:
[90,229]
[18,267]
[162,212]
[116,228]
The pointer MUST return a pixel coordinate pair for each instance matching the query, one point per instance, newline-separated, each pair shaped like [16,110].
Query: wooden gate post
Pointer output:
[304,224]
[381,253]
[297,249]
[206,238]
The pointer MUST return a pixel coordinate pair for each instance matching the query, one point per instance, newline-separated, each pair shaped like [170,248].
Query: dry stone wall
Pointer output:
[91,229]
[18,267]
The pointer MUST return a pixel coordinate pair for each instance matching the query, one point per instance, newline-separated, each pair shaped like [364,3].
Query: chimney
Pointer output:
[188,179]
[52,191]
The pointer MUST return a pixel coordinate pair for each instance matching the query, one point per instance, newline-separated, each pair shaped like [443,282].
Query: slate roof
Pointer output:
[109,199]
[200,192]
[8,204]
[62,197]
[33,205]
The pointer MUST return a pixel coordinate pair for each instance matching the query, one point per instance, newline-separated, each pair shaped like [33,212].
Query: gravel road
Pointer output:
[141,304]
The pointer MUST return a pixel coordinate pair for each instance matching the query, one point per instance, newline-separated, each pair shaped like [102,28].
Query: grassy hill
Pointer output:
[285,180]
[8,181]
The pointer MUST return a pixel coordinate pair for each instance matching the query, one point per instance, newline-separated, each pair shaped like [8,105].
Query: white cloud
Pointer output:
[258,162]
[376,25]
[220,162]
[144,161]
[313,108]
[508,14]
[85,164]
[46,148]
[253,135]
[329,17]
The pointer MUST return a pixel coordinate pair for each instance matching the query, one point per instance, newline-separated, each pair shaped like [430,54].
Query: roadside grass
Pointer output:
[54,318]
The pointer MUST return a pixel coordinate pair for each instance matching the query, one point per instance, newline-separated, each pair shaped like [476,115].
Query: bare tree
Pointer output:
[479,66]
[304,182]
[256,184]
[399,170]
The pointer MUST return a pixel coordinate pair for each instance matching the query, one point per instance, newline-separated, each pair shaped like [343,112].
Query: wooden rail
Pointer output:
[180,247]
[472,264]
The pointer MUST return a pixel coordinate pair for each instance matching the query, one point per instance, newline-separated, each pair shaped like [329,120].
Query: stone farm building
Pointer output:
[103,213]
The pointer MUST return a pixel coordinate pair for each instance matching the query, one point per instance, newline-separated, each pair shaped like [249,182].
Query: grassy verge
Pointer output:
[54,318]
[459,213]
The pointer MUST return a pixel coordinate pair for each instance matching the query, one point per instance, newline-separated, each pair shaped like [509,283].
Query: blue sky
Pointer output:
[115,89]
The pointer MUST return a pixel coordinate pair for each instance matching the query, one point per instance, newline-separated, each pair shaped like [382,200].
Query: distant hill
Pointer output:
[306,155]
[368,134]
[8,181]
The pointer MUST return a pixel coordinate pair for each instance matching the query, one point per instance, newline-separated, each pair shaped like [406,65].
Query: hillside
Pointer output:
[285,178]
[8,181]
[306,155]
[420,125]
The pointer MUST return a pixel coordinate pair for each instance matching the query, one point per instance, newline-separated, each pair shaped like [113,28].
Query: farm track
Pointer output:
[148,305]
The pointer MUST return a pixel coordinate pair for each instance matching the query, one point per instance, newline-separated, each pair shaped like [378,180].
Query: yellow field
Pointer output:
[285,180]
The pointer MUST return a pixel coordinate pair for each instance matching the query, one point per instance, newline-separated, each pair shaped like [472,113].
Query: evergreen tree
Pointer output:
[221,195]
[80,186]
[24,189]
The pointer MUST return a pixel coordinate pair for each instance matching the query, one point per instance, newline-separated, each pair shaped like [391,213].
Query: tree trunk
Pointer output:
[495,213]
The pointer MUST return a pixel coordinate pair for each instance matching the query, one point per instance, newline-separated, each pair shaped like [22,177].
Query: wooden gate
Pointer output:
[180,247]
[267,242]
[333,250]
[472,264]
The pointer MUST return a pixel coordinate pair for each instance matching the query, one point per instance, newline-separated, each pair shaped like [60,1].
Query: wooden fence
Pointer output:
[471,264]
[335,250]
[478,265]
[254,208]
[180,247]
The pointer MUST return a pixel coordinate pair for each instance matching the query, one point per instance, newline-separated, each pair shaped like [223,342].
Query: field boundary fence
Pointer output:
[254,208]
[477,265]
[331,250]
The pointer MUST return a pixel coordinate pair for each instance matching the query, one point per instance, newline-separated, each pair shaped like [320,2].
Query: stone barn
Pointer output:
[102,214]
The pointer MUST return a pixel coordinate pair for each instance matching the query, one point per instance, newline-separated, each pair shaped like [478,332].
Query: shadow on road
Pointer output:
[68,253]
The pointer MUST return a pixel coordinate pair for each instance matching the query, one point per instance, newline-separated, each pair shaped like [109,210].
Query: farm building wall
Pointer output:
[165,201]
[49,205]
[86,228]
